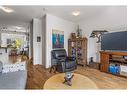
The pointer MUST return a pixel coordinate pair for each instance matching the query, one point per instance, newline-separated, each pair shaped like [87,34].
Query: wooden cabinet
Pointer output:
[104,61]
[78,48]
[108,58]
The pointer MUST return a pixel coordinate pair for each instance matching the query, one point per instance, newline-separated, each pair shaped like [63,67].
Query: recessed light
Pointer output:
[6,9]
[76,13]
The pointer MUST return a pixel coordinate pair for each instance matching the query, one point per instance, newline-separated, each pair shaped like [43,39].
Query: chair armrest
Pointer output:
[71,58]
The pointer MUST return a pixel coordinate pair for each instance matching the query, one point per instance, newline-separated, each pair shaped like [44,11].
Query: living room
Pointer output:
[63,47]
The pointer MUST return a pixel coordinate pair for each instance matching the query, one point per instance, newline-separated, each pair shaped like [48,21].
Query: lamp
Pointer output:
[98,34]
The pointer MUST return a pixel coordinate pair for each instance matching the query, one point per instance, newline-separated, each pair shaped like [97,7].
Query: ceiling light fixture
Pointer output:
[76,13]
[6,9]
[17,27]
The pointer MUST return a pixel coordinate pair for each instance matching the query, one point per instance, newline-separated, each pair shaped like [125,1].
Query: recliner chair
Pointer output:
[63,64]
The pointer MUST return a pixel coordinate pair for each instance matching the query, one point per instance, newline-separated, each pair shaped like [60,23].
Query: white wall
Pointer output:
[31,40]
[44,40]
[112,19]
[37,46]
[53,22]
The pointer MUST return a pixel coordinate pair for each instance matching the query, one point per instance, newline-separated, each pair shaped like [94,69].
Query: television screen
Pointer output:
[114,41]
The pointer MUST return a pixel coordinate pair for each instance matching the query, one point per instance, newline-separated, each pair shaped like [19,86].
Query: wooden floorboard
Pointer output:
[37,75]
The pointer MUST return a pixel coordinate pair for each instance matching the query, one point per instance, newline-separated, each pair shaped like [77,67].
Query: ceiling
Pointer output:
[24,14]
[65,12]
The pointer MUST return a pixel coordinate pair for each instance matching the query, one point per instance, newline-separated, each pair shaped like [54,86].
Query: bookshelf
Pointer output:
[77,47]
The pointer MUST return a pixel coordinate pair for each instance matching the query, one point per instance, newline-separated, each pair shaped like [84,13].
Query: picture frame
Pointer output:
[57,39]
[38,39]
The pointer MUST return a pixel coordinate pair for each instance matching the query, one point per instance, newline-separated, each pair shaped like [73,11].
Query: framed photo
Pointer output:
[57,39]
[38,39]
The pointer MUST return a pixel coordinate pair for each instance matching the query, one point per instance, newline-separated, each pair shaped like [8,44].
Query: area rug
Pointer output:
[78,82]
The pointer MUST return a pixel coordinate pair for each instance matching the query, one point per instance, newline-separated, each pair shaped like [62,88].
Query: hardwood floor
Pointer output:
[37,75]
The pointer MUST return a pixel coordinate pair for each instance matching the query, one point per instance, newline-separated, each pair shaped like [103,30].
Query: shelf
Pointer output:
[118,61]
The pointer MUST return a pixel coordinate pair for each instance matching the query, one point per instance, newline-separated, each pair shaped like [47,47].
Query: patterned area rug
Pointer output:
[78,82]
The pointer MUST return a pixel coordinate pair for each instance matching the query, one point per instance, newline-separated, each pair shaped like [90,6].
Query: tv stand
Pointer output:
[106,57]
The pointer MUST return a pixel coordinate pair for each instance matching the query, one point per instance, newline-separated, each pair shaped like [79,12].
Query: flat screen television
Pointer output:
[114,41]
